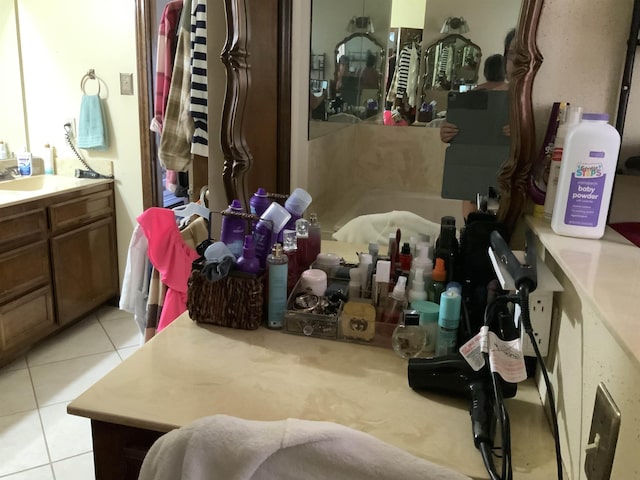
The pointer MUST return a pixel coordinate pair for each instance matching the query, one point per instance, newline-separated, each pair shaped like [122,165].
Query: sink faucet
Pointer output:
[9,173]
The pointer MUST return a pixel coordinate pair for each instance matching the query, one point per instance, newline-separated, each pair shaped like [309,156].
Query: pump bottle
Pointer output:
[277,281]
[395,303]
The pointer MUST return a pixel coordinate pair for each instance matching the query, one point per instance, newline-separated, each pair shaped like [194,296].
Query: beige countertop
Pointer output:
[190,370]
[606,272]
[24,189]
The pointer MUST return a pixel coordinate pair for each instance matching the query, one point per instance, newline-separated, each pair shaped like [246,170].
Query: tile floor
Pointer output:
[38,439]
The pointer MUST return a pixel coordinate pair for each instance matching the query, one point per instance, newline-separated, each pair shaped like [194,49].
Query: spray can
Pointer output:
[258,203]
[277,278]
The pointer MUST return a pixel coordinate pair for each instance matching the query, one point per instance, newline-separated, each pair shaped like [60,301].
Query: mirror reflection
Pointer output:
[13,131]
[372,167]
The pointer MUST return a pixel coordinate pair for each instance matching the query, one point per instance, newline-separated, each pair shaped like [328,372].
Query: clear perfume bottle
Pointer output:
[409,338]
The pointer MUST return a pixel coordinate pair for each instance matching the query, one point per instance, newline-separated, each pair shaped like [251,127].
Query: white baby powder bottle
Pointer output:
[585,182]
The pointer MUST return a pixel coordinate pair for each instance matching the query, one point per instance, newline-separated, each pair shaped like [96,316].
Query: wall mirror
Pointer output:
[386,149]
[13,126]
[357,77]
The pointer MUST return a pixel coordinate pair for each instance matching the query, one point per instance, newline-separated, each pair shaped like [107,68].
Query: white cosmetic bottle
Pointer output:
[585,183]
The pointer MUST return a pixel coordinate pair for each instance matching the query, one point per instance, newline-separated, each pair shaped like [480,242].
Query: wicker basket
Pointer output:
[235,301]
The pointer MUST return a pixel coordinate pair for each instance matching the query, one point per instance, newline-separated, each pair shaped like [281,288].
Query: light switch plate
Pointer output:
[126,84]
[603,437]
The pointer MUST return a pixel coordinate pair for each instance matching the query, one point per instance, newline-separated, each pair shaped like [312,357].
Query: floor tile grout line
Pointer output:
[44,435]
[73,358]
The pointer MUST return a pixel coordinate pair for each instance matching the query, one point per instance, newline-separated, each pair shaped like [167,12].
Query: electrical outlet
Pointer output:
[126,84]
[72,122]
[540,313]
[603,436]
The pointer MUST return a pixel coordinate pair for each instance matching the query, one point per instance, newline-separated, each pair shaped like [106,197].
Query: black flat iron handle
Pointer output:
[520,273]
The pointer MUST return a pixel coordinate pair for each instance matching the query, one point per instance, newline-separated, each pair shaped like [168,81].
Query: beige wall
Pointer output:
[61,42]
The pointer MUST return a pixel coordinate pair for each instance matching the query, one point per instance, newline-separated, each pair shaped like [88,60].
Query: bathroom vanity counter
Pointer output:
[606,273]
[190,370]
[594,340]
[36,187]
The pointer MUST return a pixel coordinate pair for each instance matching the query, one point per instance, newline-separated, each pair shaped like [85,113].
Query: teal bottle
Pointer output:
[277,280]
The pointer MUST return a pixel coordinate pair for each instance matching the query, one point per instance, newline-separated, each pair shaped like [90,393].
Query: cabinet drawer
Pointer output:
[22,227]
[24,269]
[27,319]
[79,211]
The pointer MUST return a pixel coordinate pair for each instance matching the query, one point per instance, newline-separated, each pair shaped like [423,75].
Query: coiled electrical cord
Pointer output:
[67,136]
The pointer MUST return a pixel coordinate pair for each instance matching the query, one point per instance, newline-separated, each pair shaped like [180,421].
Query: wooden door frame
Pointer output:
[151,174]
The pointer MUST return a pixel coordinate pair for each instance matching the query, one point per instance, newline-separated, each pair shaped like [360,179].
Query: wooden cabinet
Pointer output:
[58,259]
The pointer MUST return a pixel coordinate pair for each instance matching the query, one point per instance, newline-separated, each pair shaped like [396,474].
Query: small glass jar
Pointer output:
[409,338]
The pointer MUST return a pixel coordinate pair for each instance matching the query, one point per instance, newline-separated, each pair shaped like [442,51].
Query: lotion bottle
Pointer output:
[277,278]
[585,183]
[571,118]
[48,160]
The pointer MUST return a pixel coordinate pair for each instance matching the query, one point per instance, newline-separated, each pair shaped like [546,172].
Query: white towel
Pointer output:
[376,227]
[228,448]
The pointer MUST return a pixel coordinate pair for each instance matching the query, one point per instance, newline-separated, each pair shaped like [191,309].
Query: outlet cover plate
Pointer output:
[605,422]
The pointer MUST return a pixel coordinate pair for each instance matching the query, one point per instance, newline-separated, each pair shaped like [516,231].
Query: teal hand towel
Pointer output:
[92,132]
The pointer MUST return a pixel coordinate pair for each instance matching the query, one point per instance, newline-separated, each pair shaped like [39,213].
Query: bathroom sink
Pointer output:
[39,182]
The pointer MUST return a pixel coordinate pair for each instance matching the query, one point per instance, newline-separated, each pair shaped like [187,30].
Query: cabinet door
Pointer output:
[85,272]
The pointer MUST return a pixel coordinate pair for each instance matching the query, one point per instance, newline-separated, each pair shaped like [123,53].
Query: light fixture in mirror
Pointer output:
[455,25]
